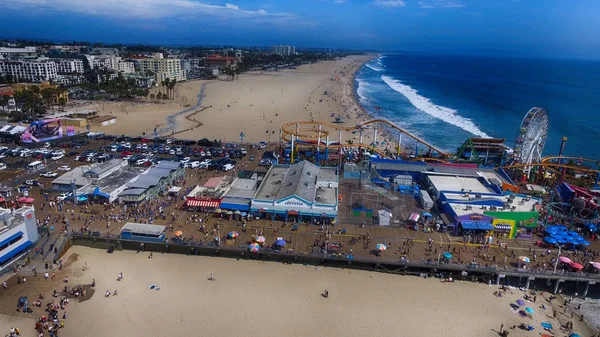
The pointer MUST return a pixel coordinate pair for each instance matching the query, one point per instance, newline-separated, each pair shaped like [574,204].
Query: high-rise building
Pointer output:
[29,70]
[283,50]
[163,68]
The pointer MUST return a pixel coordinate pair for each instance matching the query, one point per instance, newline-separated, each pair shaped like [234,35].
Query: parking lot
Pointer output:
[55,159]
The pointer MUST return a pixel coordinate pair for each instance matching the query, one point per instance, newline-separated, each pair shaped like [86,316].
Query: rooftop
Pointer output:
[168,164]
[501,203]
[454,183]
[76,175]
[112,182]
[242,188]
[300,179]
[144,181]
[141,228]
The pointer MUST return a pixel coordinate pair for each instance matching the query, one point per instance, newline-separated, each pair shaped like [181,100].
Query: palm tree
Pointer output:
[48,95]
[166,83]
[62,102]
[3,101]
[171,86]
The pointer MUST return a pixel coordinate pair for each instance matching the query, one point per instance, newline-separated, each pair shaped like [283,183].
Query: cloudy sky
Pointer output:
[545,28]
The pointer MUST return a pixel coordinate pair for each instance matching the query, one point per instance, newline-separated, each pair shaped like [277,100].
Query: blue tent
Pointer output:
[550,240]
[97,192]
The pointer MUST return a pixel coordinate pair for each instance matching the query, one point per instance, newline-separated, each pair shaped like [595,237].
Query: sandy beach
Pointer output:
[256,104]
[251,296]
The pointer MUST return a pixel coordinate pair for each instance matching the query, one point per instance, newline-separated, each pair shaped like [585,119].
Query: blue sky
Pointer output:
[545,28]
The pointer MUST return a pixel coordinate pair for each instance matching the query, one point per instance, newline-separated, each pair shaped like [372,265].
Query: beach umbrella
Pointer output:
[584,243]
[561,240]
[447,255]
[218,210]
[381,247]
[237,212]
[260,239]
[178,233]
[520,302]
[280,242]
[244,214]
[570,239]
[229,213]
[547,325]
[550,240]
[572,233]
[574,335]
[529,310]
[576,265]
[254,247]
[524,259]
[596,265]
[233,234]
[565,259]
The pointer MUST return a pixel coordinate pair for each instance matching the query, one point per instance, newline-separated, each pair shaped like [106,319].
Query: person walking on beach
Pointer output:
[46,276]
[211,277]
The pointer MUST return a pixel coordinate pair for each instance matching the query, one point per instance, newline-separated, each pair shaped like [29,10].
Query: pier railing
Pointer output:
[381,263]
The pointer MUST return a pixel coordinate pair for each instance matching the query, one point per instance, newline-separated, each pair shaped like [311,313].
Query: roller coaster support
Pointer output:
[560,154]
[399,143]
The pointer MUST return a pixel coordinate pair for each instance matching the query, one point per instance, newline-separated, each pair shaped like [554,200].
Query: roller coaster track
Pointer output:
[547,159]
[289,129]
[554,165]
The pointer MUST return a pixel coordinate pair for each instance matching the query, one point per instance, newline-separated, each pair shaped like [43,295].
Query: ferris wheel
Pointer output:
[531,138]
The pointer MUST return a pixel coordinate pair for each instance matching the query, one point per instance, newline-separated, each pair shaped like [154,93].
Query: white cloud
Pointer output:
[440,4]
[389,3]
[145,9]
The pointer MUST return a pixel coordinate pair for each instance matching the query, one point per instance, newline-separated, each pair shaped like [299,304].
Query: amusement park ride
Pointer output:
[526,157]
[45,130]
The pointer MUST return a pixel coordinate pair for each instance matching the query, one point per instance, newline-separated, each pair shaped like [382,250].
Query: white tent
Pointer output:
[385,217]
[174,189]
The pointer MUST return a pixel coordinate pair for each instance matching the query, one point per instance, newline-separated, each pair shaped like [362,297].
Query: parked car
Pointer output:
[49,174]
[64,168]
[227,167]
[63,196]
[32,182]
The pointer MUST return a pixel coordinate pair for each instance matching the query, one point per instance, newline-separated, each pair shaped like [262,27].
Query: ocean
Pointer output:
[446,99]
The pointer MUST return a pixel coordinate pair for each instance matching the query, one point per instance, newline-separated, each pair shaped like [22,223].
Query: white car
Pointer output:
[63,197]
[64,168]
[47,144]
[127,145]
[205,162]
[2,166]
[114,148]
[128,157]
[172,152]
[185,160]
[262,145]
[227,167]
[193,164]
[169,141]
[144,146]
[49,174]
[57,157]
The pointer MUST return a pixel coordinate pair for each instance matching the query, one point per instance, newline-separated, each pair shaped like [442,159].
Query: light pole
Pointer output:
[557,257]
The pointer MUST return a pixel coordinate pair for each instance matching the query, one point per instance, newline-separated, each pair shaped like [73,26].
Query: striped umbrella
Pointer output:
[254,247]
[233,234]
[381,246]
[260,239]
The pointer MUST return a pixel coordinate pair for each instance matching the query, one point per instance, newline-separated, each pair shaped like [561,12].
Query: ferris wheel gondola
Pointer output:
[531,138]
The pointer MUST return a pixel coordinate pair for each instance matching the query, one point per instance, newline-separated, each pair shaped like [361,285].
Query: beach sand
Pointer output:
[257,104]
[250,297]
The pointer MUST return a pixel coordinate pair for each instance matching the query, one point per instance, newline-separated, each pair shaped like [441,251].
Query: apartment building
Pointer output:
[283,50]
[30,70]
[14,53]
[69,66]
[163,68]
